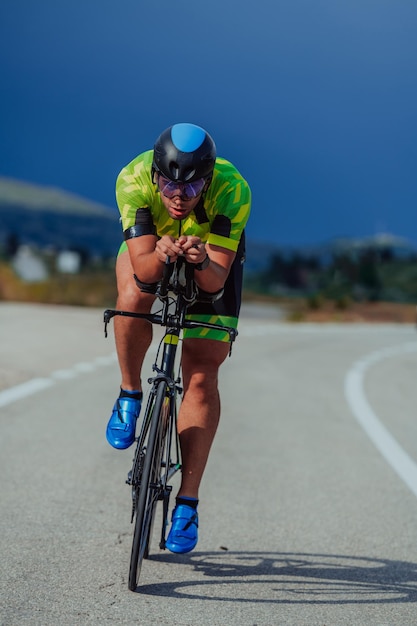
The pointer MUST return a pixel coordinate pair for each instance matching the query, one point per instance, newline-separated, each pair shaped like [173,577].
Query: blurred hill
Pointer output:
[50,217]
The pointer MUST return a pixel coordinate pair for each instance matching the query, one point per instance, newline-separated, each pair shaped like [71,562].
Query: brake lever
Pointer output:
[108,314]
[232,336]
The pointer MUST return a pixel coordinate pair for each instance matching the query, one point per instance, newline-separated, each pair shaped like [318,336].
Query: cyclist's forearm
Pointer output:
[148,267]
[212,278]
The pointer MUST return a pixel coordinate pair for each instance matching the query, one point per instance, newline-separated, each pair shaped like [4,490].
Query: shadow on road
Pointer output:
[290,578]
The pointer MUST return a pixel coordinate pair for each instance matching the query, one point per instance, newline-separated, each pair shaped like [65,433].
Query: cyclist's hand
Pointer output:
[168,246]
[193,248]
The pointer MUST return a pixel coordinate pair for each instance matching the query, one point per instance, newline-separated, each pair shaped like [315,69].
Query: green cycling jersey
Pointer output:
[219,218]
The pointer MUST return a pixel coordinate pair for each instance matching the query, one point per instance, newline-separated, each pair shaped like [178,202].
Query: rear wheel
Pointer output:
[147,486]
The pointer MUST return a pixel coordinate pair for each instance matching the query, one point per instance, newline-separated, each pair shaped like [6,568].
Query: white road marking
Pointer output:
[7,396]
[390,449]
[24,389]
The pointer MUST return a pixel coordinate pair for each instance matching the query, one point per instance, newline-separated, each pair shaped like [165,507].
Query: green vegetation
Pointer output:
[357,275]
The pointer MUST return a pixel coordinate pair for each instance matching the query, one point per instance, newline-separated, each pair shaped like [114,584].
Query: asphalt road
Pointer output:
[308,511]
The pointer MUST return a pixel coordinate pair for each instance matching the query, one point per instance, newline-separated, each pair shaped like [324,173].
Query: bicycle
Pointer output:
[157,456]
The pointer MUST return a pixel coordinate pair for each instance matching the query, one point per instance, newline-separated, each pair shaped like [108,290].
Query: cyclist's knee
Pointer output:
[204,355]
[130,298]
[129,295]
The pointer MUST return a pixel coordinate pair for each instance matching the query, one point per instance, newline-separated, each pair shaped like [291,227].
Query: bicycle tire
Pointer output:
[158,476]
[148,493]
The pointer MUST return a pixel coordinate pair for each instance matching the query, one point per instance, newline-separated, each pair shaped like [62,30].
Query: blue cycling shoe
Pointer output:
[121,428]
[183,535]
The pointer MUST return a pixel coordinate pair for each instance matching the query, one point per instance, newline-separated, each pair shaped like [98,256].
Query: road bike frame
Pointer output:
[157,456]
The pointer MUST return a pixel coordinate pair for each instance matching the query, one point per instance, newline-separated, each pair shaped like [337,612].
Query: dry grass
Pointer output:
[301,310]
[97,289]
[356,312]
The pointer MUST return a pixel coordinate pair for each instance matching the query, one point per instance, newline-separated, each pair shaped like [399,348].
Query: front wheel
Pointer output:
[147,492]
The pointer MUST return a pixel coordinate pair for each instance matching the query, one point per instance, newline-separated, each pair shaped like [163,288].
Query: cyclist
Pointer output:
[179,199]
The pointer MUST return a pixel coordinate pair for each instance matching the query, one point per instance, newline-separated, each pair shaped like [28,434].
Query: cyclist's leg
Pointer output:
[203,353]
[133,336]
[200,409]
[197,424]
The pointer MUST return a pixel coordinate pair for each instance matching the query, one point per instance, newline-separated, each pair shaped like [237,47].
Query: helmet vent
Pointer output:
[174,169]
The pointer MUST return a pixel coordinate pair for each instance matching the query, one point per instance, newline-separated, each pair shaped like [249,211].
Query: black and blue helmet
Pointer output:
[184,153]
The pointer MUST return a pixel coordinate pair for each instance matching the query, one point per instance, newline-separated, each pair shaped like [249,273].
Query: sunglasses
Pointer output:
[186,191]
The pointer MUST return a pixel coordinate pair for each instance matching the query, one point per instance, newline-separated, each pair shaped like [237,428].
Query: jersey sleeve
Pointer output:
[134,190]
[231,197]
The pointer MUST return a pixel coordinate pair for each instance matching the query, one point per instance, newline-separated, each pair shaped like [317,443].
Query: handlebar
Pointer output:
[164,284]
[177,277]
[158,318]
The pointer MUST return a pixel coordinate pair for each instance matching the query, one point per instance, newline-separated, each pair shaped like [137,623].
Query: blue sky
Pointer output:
[313,100]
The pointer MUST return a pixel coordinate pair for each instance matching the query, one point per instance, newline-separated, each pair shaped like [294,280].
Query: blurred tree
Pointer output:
[11,245]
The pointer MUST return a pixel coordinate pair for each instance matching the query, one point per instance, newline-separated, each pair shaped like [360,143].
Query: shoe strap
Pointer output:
[120,408]
[191,521]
